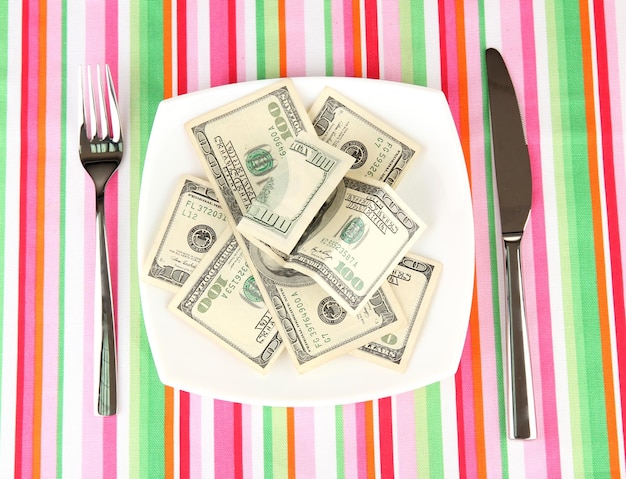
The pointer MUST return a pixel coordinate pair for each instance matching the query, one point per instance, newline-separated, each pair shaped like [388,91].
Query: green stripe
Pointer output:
[268,443]
[147,393]
[260,38]
[328,36]
[280,450]
[413,42]
[64,187]
[580,301]
[272,40]
[339,444]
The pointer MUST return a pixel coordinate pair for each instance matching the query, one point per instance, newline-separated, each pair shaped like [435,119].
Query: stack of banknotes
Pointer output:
[296,239]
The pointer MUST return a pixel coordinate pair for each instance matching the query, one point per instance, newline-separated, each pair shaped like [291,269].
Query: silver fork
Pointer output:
[101,153]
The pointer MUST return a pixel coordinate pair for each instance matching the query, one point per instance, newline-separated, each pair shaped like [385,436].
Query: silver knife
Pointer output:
[512,165]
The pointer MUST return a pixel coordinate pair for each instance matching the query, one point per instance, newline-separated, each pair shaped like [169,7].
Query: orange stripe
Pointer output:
[167,49]
[40,235]
[356,37]
[168,432]
[596,207]
[282,38]
[369,439]
[291,444]
[474,324]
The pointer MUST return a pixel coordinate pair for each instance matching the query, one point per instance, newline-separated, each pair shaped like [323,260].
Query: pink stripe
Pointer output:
[350,445]
[390,26]
[219,43]
[193,39]
[195,436]
[348,33]
[304,441]
[339,54]
[296,59]
[538,302]
[224,438]
[50,364]
[361,439]
[405,436]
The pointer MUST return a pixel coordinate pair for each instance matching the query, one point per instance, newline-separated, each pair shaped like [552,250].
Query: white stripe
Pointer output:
[449,427]
[433,56]
[314,44]
[203,19]
[11,241]
[325,441]
[250,40]
[207,434]
[256,441]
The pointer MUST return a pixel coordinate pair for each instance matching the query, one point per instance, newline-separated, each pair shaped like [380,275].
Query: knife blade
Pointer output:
[514,186]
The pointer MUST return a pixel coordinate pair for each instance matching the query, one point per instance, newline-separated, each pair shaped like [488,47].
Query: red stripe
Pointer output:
[237,441]
[21,385]
[371,39]
[385,429]
[608,156]
[185,465]
[232,41]
[181,42]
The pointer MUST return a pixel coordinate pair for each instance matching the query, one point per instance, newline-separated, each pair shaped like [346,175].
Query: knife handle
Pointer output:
[521,402]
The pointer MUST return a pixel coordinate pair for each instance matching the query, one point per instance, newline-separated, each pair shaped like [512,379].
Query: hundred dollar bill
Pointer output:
[314,326]
[242,143]
[192,223]
[355,241]
[380,151]
[413,281]
[294,192]
[221,298]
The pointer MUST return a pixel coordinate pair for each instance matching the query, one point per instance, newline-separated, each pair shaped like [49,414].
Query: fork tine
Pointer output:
[87,100]
[103,122]
[114,117]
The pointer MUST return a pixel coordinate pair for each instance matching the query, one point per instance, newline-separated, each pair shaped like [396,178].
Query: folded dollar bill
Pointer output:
[190,226]
[354,241]
[380,151]
[314,326]
[413,282]
[222,299]
[242,143]
[294,192]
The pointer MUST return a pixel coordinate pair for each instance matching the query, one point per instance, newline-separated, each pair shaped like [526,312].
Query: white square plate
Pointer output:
[436,187]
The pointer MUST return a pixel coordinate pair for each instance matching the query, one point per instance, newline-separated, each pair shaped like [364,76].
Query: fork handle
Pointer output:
[107,389]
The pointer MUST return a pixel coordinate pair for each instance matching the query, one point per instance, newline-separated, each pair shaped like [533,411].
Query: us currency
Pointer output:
[413,281]
[222,299]
[380,151]
[192,223]
[314,326]
[241,144]
[355,241]
[294,192]
[236,186]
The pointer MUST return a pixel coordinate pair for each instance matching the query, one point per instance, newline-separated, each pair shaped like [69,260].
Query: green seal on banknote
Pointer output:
[259,160]
[251,291]
[353,231]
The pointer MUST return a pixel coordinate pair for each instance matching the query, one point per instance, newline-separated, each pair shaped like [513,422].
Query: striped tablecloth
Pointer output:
[568,63]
